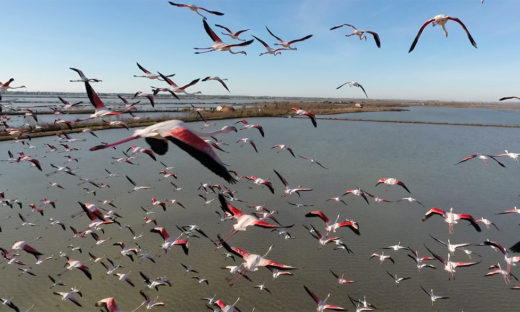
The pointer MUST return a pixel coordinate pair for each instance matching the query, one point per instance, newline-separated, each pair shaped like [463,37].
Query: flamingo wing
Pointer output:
[433,211]
[473,43]
[240,31]
[333,307]
[414,43]
[264,224]
[191,84]
[365,94]
[504,98]
[316,299]
[210,32]
[342,85]
[242,44]
[278,38]
[338,26]
[169,81]
[261,41]
[281,178]
[227,207]
[224,27]
[376,38]
[471,220]
[319,214]
[301,39]
[211,12]
[93,97]
[143,69]
[199,149]
[161,231]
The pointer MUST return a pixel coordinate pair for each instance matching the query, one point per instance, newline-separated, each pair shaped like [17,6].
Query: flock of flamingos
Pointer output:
[202,146]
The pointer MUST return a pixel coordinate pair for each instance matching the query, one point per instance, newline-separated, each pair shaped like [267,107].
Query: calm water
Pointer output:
[357,155]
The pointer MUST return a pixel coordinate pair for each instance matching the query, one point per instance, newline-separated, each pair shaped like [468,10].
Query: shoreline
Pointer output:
[266,109]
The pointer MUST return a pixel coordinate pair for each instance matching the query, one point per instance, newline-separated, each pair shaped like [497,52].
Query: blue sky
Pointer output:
[41,39]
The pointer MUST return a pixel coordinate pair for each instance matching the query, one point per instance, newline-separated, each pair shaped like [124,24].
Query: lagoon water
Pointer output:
[357,155]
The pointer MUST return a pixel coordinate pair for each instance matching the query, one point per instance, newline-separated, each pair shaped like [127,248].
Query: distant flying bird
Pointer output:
[300,112]
[174,88]
[360,33]
[287,44]
[159,134]
[148,74]
[441,20]
[322,304]
[231,34]
[482,157]
[354,84]
[196,9]
[509,98]
[218,45]
[269,50]
[217,79]
[392,181]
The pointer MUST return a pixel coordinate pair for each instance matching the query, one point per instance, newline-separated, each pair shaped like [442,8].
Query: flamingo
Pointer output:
[397,279]
[487,223]
[124,277]
[268,49]
[148,74]
[514,210]
[170,241]
[125,251]
[361,305]
[75,264]
[174,130]
[419,260]
[332,226]
[382,257]
[322,239]
[358,192]
[360,33]
[226,307]
[253,261]
[392,181]
[243,220]
[67,296]
[109,304]
[287,44]
[196,9]
[482,157]
[174,87]
[340,279]
[510,259]
[432,296]
[66,104]
[284,147]
[217,79]
[248,141]
[313,161]
[259,181]
[218,45]
[101,110]
[149,302]
[395,247]
[354,84]
[6,86]
[231,34]
[450,266]
[148,96]
[498,270]
[441,20]
[509,98]
[411,200]
[301,112]
[451,218]
[322,305]
[288,189]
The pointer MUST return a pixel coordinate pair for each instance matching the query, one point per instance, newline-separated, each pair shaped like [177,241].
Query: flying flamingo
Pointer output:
[148,74]
[360,33]
[322,239]
[287,44]
[322,305]
[75,264]
[392,181]
[109,304]
[67,296]
[243,220]
[231,34]
[196,9]
[510,259]
[260,128]
[218,45]
[174,130]
[354,84]
[288,189]
[101,110]
[498,270]
[248,141]
[397,279]
[149,302]
[148,96]
[332,226]
[66,104]
[451,218]
[6,86]
[382,257]
[441,20]
[340,279]
[511,155]
[301,112]
[170,241]
[269,50]
[487,223]
[432,296]
[284,147]
[217,79]
[450,266]
[260,181]
[174,87]
[482,157]
[358,192]
[509,98]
